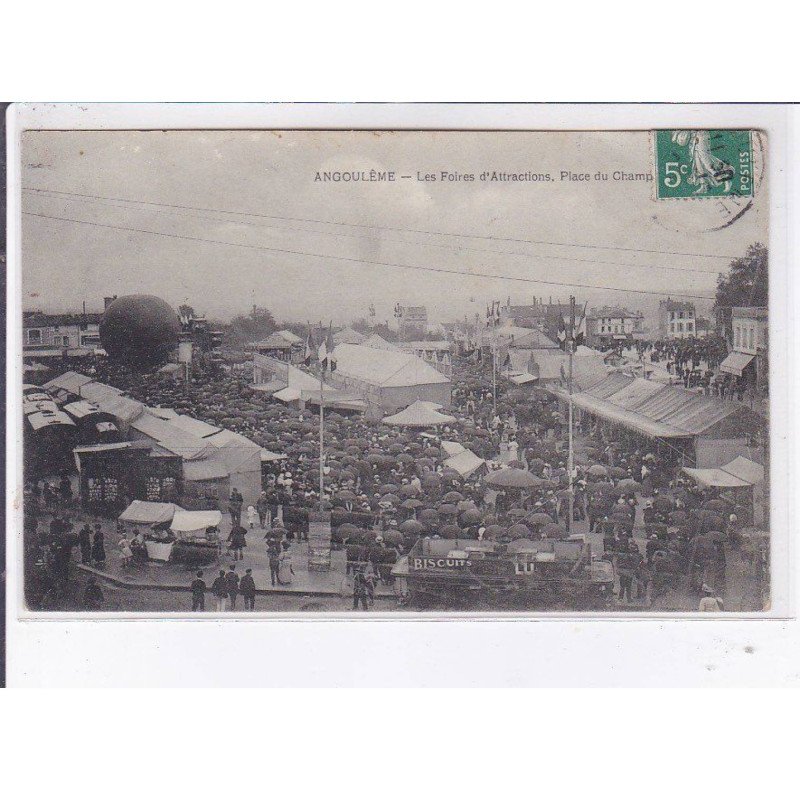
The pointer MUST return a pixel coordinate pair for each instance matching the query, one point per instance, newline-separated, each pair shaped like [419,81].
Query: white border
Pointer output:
[325,651]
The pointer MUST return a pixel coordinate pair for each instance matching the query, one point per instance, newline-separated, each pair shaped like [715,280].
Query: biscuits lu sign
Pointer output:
[703,163]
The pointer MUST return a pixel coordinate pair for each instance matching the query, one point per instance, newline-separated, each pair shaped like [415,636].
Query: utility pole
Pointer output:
[571,455]
[321,441]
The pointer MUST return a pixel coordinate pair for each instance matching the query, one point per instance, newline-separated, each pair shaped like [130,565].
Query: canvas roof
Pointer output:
[172,438]
[453,448]
[586,369]
[163,413]
[739,472]
[112,401]
[236,452]
[378,343]
[185,521]
[81,408]
[288,394]
[385,368]
[334,399]
[521,378]
[147,513]
[194,426]
[464,463]
[348,336]
[204,470]
[653,408]
[747,470]
[71,381]
[268,455]
[419,415]
[42,419]
[735,362]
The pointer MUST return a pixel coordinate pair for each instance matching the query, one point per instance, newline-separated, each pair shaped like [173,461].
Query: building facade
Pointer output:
[412,322]
[539,315]
[612,324]
[676,319]
[59,333]
[748,359]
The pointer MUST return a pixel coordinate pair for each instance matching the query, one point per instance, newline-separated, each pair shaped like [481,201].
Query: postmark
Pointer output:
[704,164]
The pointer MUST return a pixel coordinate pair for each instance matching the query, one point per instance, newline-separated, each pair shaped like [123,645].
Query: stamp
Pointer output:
[705,164]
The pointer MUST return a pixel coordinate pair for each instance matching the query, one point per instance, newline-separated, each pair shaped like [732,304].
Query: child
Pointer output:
[125,551]
[252,516]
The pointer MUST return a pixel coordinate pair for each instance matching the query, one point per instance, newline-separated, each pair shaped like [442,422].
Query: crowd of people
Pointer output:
[386,486]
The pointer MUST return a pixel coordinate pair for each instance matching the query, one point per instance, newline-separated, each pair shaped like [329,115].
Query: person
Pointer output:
[198,588]
[274,557]
[98,546]
[125,551]
[627,564]
[220,589]
[252,516]
[247,588]
[85,541]
[232,582]
[285,569]
[360,591]
[65,489]
[235,507]
[370,580]
[237,540]
[262,507]
[709,602]
[92,595]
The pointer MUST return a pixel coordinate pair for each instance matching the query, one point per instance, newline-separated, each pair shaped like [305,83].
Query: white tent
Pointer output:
[187,524]
[143,512]
[419,415]
[465,463]
[738,473]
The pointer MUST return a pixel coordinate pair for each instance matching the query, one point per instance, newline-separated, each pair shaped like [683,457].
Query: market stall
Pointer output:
[158,540]
[197,537]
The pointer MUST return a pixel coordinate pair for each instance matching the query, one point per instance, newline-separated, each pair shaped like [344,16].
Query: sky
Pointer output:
[549,232]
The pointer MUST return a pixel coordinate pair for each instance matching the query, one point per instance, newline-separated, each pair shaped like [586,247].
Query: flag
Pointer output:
[327,359]
[308,354]
[580,328]
[562,333]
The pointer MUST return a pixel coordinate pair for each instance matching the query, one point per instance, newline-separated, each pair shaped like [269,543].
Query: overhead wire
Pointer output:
[384,227]
[350,259]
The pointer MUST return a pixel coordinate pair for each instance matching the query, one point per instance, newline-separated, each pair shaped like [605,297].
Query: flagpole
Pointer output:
[571,455]
[494,362]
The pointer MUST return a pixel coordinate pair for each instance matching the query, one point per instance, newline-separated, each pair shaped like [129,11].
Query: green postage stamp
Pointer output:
[703,163]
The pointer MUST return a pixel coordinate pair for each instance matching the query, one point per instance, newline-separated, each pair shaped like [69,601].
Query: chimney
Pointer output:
[107,301]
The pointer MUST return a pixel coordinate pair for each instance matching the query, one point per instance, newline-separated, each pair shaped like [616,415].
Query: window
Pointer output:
[751,338]
[689,326]
[680,315]
[34,336]
[680,327]
[66,341]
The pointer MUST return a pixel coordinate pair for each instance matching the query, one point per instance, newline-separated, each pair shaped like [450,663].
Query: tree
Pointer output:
[254,326]
[745,284]
[368,328]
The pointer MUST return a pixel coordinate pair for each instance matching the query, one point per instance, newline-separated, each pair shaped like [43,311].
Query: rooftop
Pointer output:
[38,319]
[385,368]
